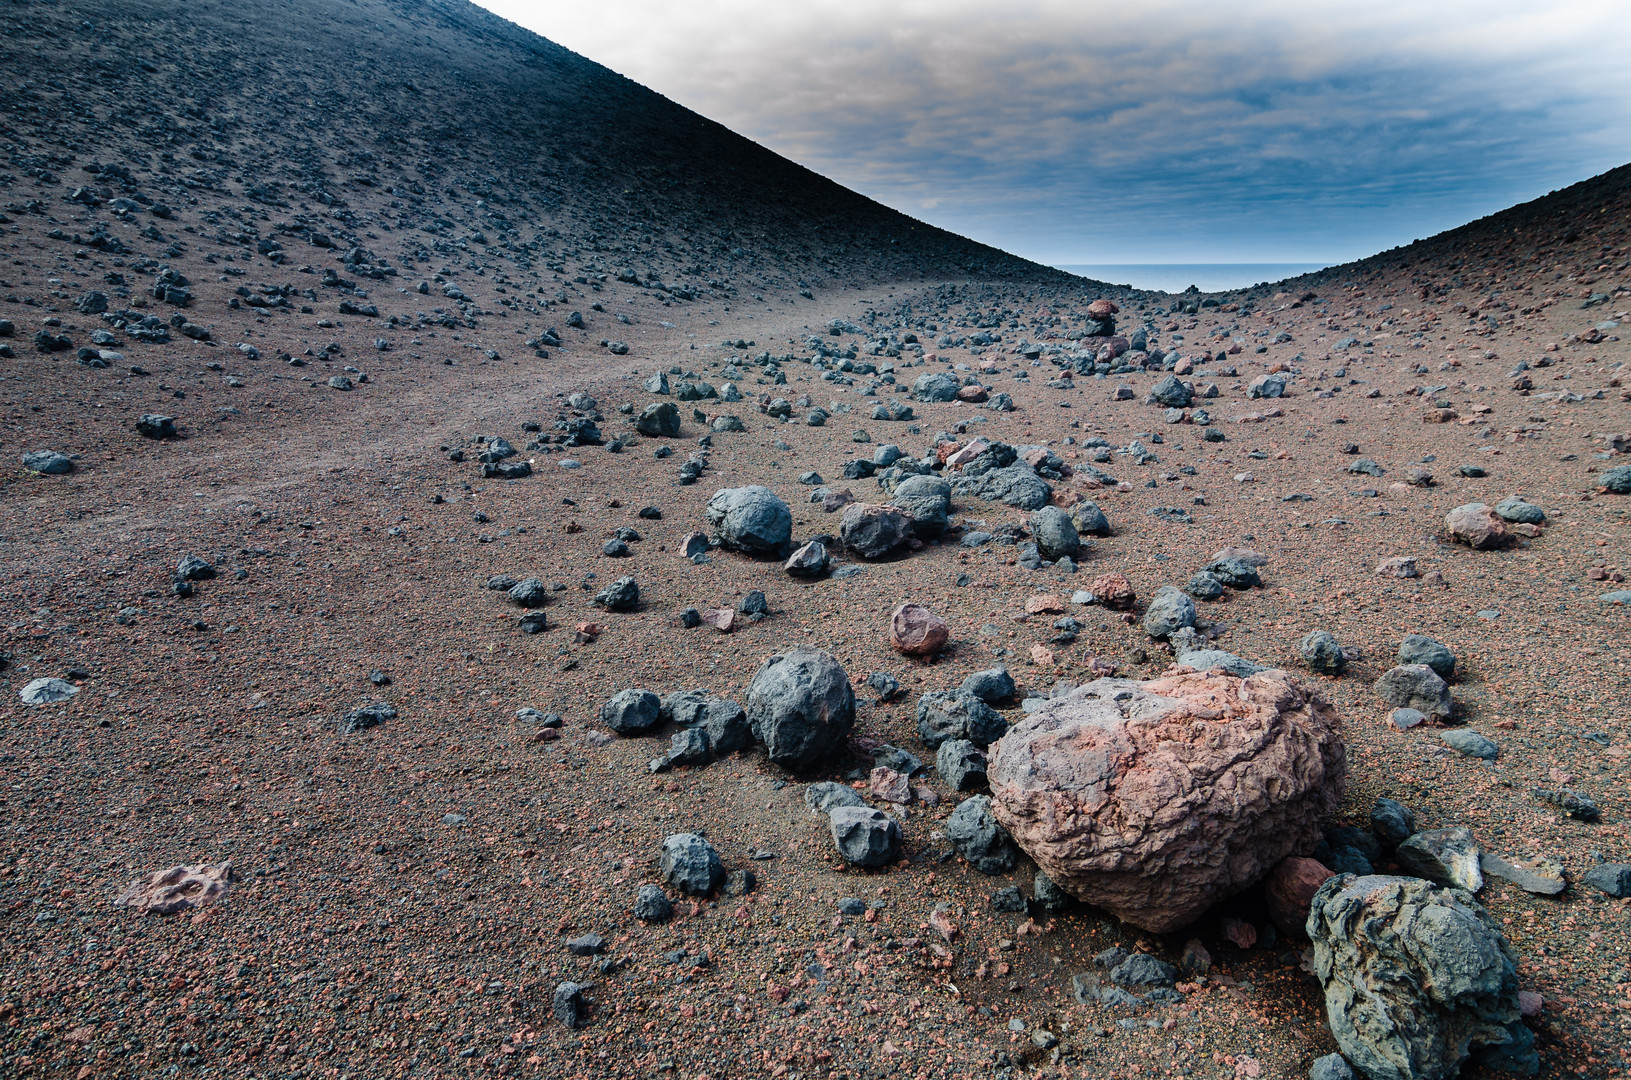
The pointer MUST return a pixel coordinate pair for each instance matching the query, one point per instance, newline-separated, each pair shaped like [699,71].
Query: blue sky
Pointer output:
[1153,131]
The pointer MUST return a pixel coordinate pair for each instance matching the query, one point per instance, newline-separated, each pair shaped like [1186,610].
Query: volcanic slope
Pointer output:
[342,246]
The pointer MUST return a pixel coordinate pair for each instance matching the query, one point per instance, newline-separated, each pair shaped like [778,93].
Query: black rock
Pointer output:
[954,714]
[1392,822]
[621,595]
[801,707]
[652,905]
[975,834]
[691,865]
[154,426]
[631,712]
[366,716]
[961,764]
[568,1005]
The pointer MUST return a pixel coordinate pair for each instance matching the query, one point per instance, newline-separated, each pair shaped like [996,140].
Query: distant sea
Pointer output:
[1208,277]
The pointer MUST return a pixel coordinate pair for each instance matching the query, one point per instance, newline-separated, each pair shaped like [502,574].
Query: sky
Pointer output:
[1146,131]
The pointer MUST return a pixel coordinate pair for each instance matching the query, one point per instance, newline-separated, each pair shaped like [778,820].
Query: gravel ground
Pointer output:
[406,892]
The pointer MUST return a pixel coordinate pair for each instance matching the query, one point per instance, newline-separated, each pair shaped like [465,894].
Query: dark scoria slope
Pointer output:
[393,109]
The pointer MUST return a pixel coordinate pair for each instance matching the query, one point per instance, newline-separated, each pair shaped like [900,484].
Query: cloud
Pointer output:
[1148,132]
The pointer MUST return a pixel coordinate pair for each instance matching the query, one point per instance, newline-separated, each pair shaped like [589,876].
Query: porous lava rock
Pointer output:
[1153,800]
[1417,979]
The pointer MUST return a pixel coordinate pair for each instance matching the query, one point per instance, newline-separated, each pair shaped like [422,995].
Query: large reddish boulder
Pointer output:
[1153,800]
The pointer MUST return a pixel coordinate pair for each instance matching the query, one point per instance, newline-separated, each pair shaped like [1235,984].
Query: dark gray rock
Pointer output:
[1144,971]
[961,764]
[1616,481]
[825,797]
[1204,585]
[366,716]
[1416,978]
[1331,1067]
[1611,878]
[1392,822]
[1446,856]
[1055,533]
[1169,610]
[1515,509]
[1089,519]
[652,905]
[935,386]
[689,746]
[621,595]
[1017,485]
[753,603]
[1171,393]
[659,420]
[864,836]
[47,462]
[1321,653]
[928,500]
[1009,900]
[567,1006]
[586,945]
[953,714]
[751,519]
[1048,895]
[975,834]
[192,568]
[1415,686]
[154,426]
[1235,573]
[691,865]
[529,592]
[801,707]
[885,685]
[631,712]
[871,532]
[810,560]
[992,686]
[1420,649]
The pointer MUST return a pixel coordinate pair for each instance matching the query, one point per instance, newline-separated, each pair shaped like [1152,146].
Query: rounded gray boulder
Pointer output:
[1170,610]
[691,865]
[1322,653]
[801,707]
[751,519]
[865,836]
[1420,649]
[1055,533]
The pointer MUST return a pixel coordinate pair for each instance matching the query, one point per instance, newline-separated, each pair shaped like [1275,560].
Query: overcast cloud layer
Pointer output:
[1146,131]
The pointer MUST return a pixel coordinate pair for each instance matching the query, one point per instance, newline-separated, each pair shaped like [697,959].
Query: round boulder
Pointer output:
[917,631]
[801,707]
[1055,533]
[1170,610]
[751,519]
[1322,653]
[1089,519]
[1154,800]
[864,836]
[691,865]
[1421,649]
